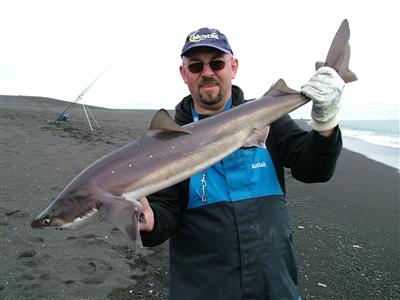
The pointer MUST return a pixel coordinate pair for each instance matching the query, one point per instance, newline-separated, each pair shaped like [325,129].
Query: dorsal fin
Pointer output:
[280,88]
[162,121]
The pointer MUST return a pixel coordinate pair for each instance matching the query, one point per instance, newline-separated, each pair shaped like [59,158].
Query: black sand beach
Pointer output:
[346,232]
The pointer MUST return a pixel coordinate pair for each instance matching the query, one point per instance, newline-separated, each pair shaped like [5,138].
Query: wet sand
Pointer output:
[346,232]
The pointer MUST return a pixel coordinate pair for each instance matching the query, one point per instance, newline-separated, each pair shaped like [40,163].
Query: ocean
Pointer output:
[376,139]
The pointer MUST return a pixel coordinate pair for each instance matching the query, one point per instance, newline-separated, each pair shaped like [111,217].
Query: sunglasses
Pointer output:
[215,65]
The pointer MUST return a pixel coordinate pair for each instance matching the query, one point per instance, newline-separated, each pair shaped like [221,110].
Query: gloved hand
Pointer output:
[325,89]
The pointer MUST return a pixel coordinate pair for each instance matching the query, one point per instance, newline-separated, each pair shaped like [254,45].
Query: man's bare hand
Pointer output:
[146,222]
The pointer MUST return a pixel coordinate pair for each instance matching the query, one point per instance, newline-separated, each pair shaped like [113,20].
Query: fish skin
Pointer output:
[170,153]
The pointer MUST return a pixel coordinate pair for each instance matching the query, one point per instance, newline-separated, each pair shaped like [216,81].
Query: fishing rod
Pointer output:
[62,114]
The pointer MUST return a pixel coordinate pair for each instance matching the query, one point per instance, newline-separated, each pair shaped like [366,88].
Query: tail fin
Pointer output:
[339,54]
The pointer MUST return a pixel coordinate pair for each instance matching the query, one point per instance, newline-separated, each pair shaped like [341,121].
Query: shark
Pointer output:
[169,153]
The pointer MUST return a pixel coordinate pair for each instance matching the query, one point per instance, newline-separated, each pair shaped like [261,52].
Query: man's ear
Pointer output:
[183,70]
[235,66]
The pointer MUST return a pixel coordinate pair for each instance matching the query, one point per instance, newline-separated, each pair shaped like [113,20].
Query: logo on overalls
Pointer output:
[258,165]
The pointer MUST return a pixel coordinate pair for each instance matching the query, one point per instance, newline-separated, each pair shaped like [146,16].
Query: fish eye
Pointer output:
[46,222]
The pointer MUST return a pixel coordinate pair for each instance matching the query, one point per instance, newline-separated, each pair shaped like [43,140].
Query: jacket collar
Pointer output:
[183,111]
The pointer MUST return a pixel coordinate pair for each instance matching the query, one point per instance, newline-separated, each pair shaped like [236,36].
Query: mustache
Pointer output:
[208,80]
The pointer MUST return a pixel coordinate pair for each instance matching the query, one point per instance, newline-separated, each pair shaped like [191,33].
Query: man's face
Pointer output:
[208,74]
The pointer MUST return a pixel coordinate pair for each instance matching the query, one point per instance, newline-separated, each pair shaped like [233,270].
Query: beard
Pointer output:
[208,98]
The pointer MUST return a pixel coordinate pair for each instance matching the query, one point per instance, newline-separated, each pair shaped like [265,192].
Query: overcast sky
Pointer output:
[55,48]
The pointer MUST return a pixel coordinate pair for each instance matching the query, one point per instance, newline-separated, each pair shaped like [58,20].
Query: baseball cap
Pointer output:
[207,37]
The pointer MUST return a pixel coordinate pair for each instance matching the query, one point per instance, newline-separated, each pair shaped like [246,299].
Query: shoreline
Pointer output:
[383,154]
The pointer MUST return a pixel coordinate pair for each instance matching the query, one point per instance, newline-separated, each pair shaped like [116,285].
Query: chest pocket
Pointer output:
[245,174]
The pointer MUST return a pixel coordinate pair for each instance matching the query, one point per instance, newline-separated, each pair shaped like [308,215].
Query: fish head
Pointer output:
[69,209]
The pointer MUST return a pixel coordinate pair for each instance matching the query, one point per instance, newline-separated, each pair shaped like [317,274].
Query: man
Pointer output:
[228,226]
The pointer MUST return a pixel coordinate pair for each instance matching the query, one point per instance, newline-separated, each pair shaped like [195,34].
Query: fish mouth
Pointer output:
[60,223]
[79,221]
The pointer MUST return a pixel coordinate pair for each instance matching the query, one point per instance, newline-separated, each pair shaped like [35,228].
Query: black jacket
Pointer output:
[240,250]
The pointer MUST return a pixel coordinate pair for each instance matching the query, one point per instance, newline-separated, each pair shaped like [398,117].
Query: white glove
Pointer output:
[325,89]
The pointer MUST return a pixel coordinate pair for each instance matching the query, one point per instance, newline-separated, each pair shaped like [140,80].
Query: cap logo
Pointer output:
[197,37]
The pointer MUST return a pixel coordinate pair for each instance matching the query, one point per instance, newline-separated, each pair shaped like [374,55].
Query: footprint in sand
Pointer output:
[29,258]
[94,271]
[31,274]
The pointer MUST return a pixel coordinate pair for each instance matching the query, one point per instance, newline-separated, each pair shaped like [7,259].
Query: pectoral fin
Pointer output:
[257,138]
[124,215]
